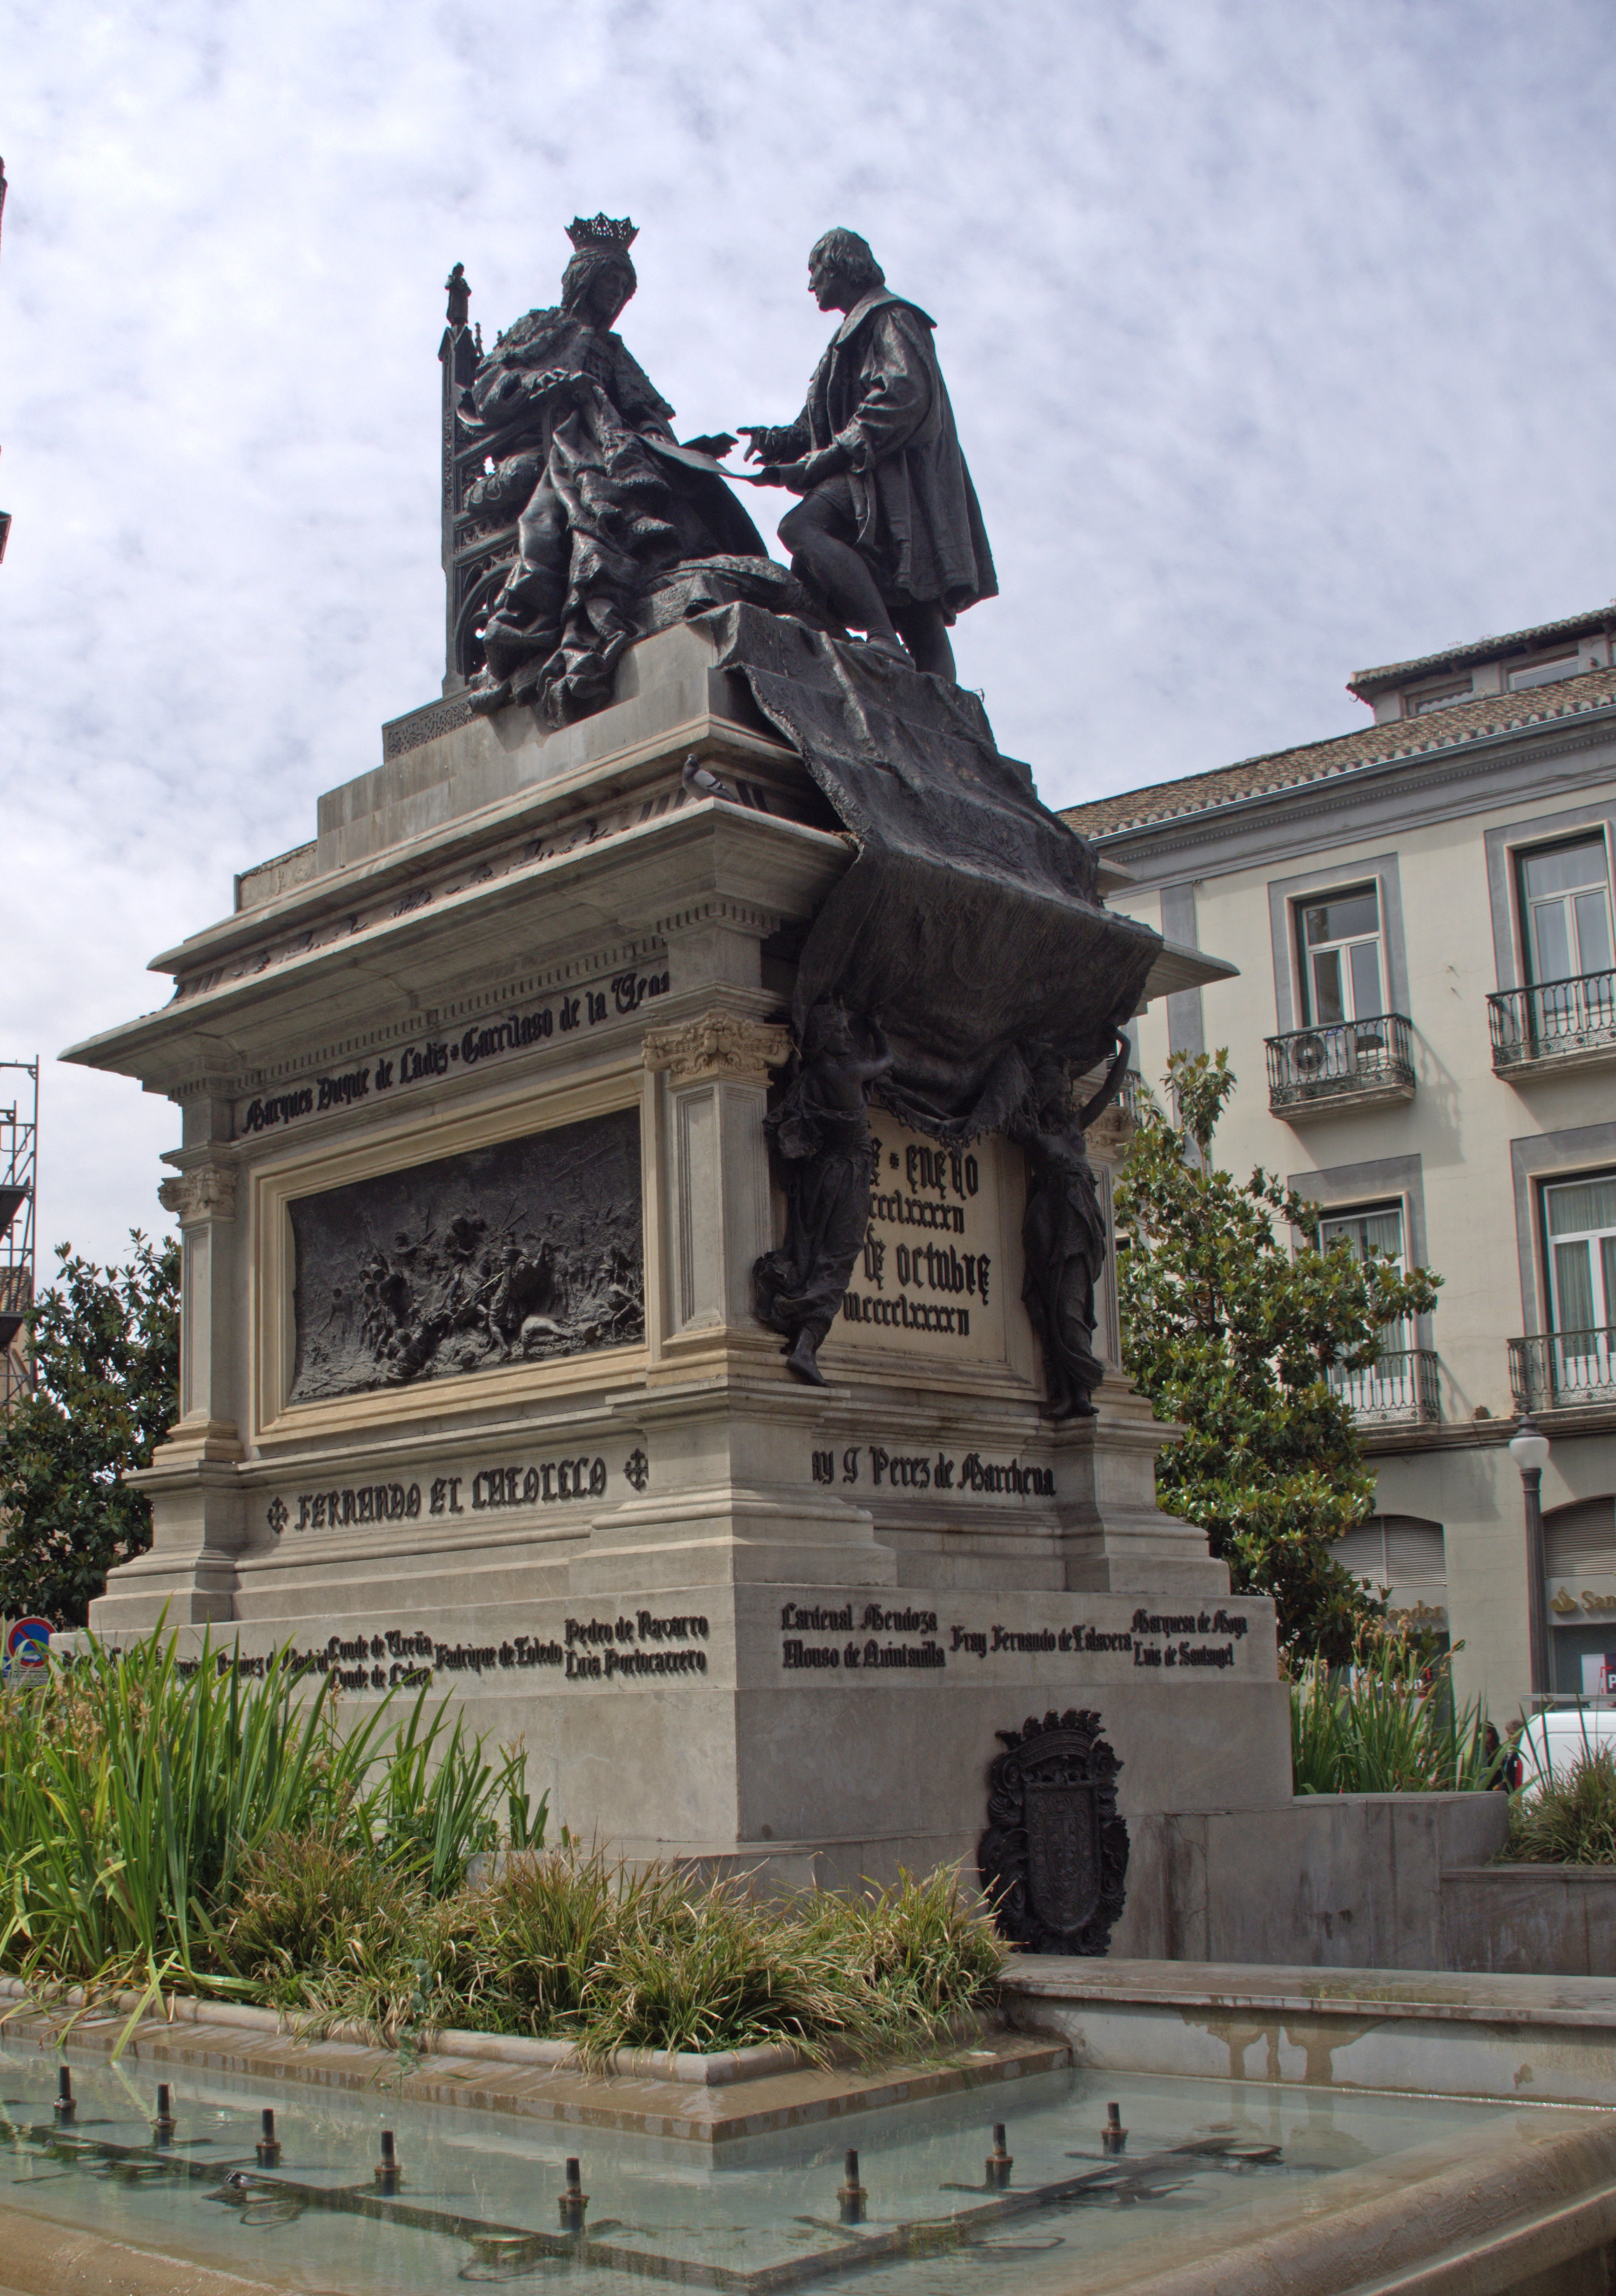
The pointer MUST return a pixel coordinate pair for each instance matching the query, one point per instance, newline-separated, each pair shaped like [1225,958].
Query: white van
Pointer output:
[1557,1739]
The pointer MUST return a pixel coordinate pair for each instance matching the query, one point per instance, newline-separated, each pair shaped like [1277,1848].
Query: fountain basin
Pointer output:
[1218,2184]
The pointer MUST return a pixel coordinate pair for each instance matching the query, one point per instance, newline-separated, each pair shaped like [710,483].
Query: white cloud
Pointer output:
[1276,336]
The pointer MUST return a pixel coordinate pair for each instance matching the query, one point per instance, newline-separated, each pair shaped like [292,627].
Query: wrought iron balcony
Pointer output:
[1132,1096]
[1556,1023]
[1349,1064]
[1555,1370]
[1401,1389]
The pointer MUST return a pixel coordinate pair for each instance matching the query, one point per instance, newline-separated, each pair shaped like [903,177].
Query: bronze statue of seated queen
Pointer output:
[570,426]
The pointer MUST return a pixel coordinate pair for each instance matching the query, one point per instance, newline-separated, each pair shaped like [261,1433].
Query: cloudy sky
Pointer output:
[1280,339]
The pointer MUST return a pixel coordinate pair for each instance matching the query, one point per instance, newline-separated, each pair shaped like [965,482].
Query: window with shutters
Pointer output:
[1579,1224]
[1580,1540]
[1350,1050]
[1407,1556]
[1564,1010]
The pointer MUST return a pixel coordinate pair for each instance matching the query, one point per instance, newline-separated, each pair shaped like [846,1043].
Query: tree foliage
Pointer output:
[1232,1333]
[106,1391]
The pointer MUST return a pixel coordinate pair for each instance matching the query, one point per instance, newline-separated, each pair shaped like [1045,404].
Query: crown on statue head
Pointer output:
[603,231]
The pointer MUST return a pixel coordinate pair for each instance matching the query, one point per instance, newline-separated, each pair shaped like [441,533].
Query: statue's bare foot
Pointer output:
[803,1361]
[485,700]
[894,647]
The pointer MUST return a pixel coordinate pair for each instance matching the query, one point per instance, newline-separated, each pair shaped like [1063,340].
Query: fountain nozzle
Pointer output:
[851,2196]
[65,2107]
[999,2164]
[162,2127]
[1113,2136]
[387,2166]
[574,2202]
[269,2143]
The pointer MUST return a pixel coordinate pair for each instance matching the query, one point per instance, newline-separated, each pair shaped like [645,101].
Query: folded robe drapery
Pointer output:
[969,922]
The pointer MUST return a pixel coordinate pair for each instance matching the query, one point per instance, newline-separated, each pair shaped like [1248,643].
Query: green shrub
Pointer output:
[172,1825]
[302,1902]
[712,1969]
[1388,1724]
[1570,1820]
[569,1946]
[921,1950]
[547,1926]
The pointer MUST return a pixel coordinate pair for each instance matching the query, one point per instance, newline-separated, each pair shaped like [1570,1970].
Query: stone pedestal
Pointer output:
[470,1188]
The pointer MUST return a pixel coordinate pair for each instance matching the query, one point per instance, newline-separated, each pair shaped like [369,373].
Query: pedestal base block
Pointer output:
[188,1575]
[1116,1540]
[475,1180]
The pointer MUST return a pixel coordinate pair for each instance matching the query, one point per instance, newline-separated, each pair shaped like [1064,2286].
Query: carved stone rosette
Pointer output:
[206,1194]
[1054,1856]
[719,1045]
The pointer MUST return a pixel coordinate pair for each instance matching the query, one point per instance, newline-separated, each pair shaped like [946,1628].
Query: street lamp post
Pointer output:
[1529,1448]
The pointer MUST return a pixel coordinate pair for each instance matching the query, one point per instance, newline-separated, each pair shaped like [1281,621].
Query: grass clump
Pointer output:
[1570,1819]
[542,1933]
[570,1945]
[304,1904]
[1388,1724]
[710,1968]
[921,1950]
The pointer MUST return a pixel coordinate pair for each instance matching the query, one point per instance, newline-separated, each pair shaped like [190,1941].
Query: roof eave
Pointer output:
[1368,684]
[1347,775]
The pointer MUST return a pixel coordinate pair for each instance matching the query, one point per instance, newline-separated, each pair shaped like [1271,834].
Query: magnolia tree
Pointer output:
[1233,1321]
[106,1390]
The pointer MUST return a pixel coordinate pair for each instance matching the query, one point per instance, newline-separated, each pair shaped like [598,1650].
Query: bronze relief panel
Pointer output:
[523,1252]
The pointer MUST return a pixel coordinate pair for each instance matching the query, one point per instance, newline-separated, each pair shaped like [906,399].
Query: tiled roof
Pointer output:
[1367,683]
[1318,761]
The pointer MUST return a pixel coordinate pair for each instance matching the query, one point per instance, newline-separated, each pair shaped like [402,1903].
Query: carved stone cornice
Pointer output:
[206,1194]
[718,1044]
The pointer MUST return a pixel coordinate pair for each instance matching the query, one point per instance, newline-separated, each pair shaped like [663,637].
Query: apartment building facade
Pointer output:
[1424,1026]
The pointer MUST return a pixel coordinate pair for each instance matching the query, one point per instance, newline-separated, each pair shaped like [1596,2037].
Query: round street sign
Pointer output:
[28,1641]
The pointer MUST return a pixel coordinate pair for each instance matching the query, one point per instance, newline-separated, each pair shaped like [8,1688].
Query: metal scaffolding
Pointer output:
[18,1150]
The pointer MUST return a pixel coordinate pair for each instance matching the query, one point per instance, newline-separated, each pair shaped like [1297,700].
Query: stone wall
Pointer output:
[1362,1881]
[1552,1921]
[1326,1881]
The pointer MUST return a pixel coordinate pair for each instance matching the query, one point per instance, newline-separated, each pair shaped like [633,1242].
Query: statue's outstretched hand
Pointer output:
[756,432]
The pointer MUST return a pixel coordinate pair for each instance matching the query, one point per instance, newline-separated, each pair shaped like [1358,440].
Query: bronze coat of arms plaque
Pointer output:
[1054,1856]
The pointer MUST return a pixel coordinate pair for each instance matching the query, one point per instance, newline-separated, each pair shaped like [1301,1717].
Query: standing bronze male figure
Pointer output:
[889,532]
